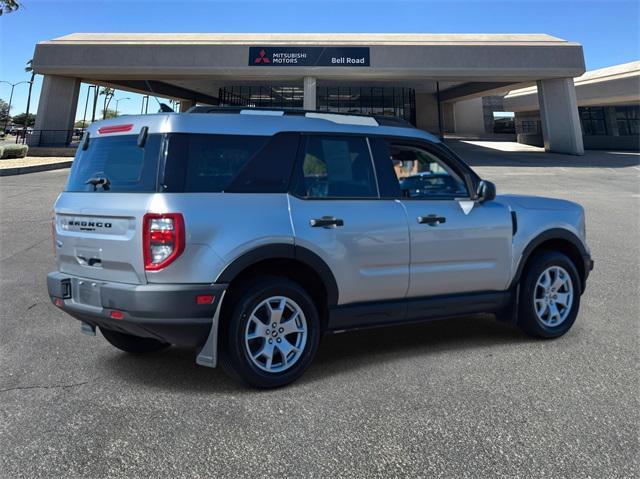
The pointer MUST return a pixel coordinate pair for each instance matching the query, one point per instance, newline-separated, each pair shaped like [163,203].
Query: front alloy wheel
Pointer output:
[553,296]
[549,295]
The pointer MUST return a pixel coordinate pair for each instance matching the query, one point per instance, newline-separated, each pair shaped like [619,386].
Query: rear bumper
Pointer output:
[168,312]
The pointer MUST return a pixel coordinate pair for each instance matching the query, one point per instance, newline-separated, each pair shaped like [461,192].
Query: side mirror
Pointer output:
[486,191]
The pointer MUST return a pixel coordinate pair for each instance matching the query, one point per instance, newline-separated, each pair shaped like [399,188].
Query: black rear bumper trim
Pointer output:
[168,312]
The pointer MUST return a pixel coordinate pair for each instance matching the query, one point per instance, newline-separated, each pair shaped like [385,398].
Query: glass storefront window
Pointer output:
[399,102]
[628,120]
[592,120]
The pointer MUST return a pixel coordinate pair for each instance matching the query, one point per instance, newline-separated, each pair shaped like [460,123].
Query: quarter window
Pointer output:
[199,163]
[337,167]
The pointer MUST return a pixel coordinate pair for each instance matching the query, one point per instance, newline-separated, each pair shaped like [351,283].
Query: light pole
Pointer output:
[13,85]
[86,104]
[118,100]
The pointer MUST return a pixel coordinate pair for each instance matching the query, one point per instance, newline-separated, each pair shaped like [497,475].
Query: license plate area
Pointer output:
[88,292]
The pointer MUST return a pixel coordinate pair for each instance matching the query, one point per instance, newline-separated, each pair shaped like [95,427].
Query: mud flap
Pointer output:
[208,354]
[510,313]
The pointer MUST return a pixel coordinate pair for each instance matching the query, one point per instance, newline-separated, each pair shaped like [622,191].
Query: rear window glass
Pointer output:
[182,162]
[118,160]
[206,163]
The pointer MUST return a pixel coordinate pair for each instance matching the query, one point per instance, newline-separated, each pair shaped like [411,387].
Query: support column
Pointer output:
[309,102]
[56,111]
[427,112]
[449,117]
[559,116]
[186,104]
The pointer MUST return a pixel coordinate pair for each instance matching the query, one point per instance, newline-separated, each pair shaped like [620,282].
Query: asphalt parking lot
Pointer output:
[468,397]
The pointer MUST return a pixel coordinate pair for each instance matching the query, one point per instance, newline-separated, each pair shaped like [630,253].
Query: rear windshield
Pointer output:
[194,163]
[127,167]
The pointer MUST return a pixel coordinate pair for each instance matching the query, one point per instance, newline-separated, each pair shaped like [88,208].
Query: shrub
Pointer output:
[13,151]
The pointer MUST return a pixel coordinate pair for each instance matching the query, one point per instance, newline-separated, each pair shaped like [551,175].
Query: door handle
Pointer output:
[432,220]
[326,222]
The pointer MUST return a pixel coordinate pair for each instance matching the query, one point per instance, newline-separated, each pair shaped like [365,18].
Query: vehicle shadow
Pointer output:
[341,353]
[175,369]
[487,153]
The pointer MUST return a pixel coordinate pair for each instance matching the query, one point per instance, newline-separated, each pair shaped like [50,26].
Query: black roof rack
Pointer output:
[383,120]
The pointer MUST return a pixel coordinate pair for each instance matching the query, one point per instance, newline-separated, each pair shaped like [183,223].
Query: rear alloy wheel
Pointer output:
[276,334]
[133,344]
[272,335]
[549,295]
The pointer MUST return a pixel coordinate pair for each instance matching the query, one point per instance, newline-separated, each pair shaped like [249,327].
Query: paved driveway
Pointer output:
[464,398]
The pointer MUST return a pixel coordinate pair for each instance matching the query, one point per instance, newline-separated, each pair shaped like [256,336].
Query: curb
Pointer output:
[21,170]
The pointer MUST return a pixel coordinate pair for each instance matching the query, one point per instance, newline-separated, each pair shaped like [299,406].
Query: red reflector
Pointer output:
[161,236]
[115,128]
[58,302]
[205,299]
[116,315]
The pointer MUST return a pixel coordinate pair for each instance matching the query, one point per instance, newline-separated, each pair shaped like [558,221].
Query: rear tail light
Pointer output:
[163,239]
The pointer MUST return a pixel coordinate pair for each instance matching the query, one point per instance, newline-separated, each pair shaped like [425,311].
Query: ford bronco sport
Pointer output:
[248,234]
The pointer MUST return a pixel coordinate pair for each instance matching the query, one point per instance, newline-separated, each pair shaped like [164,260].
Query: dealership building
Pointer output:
[432,81]
[608,106]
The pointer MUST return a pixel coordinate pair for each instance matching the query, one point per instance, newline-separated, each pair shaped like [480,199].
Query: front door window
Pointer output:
[422,175]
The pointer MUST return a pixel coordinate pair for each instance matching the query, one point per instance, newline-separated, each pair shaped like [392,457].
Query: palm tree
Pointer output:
[108,95]
[29,69]
[8,6]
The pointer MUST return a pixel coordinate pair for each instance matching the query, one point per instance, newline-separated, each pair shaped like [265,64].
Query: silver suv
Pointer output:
[249,234]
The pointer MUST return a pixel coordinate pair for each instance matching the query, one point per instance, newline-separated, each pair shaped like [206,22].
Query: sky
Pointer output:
[608,30]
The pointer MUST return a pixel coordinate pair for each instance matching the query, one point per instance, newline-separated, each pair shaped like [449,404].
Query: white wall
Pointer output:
[468,116]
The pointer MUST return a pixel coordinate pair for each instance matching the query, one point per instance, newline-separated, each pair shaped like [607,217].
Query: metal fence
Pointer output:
[50,138]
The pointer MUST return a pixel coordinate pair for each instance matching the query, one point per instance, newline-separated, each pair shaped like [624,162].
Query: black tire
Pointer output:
[133,344]
[235,358]
[528,320]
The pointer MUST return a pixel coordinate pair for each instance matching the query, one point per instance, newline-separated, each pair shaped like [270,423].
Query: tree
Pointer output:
[4,111]
[108,95]
[110,114]
[8,6]
[20,119]
[29,69]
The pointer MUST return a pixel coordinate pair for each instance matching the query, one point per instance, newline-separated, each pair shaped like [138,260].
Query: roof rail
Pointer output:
[381,120]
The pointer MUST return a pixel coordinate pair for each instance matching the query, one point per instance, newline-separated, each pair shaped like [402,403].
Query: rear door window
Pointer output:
[337,167]
[118,159]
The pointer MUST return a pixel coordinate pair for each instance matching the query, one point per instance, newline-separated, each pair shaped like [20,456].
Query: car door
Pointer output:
[337,213]
[457,245]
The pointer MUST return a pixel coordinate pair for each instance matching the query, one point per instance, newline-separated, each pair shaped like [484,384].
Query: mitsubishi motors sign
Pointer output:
[309,56]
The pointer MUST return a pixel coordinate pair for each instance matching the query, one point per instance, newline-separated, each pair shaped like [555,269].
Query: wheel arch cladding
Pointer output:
[557,239]
[296,262]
